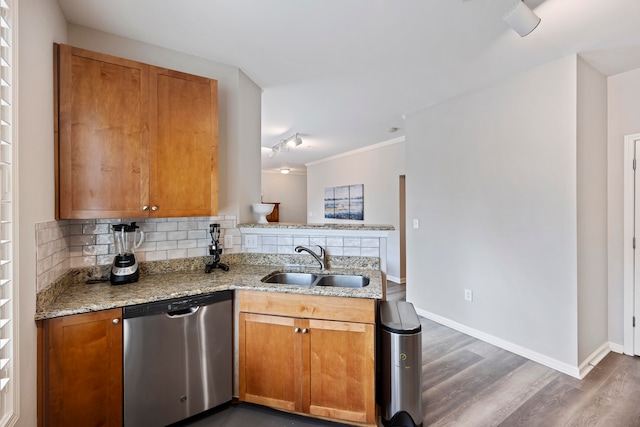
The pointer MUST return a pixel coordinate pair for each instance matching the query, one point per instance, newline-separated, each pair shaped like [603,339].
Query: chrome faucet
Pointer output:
[322,258]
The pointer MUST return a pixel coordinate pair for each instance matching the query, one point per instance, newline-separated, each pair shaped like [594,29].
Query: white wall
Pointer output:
[40,23]
[378,167]
[290,191]
[592,210]
[239,107]
[491,175]
[623,119]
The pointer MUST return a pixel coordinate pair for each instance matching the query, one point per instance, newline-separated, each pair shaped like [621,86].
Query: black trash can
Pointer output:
[400,392]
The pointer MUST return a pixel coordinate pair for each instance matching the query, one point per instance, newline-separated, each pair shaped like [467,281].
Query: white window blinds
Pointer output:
[7,284]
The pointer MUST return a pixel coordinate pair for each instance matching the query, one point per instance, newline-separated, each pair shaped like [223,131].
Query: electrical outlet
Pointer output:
[468,294]
[416,224]
[250,241]
[228,241]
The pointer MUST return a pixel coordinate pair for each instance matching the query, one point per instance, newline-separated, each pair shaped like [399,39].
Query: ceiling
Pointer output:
[342,73]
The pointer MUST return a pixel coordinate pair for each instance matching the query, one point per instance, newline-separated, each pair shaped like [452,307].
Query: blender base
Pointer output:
[210,267]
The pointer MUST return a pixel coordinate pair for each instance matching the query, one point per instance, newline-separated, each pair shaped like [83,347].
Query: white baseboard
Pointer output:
[616,348]
[565,368]
[401,280]
[594,358]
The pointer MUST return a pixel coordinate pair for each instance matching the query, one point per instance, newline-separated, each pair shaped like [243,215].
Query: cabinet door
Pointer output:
[184,144]
[84,379]
[102,140]
[341,370]
[269,360]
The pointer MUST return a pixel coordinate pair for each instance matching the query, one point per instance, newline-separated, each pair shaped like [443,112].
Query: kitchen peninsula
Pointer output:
[344,316]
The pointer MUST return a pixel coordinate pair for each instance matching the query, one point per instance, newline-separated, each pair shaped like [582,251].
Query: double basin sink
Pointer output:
[311,279]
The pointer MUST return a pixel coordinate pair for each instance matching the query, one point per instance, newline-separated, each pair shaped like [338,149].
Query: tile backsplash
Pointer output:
[335,245]
[61,245]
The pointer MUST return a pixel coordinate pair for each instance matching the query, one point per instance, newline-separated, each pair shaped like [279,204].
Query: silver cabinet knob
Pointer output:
[145,208]
[305,330]
[115,321]
[296,330]
[154,208]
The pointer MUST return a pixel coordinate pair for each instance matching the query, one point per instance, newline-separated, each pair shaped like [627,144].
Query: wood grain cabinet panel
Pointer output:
[271,370]
[324,368]
[133,140]
[184,144]
[82,370]
[103,113]
[342,370]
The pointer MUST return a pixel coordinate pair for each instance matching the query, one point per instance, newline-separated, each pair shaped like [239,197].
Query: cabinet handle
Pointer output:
[154,208]
[305,330]
[115,321]
[296,330]
[145,208]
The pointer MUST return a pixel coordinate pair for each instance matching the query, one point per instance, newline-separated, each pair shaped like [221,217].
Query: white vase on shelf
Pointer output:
[262,210]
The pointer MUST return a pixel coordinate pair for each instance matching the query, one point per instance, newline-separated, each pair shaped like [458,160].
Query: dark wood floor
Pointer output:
[469,383]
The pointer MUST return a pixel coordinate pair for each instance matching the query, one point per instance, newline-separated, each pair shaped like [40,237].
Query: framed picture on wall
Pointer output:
[344,202]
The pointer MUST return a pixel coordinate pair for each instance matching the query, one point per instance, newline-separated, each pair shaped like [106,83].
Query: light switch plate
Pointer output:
[228,241]
[250,241]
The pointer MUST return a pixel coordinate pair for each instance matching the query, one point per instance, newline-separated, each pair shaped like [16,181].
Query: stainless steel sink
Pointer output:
[299,279]
[343,281]
[310,279]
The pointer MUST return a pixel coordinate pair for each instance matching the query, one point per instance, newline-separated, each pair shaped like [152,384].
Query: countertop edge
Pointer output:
[81,298]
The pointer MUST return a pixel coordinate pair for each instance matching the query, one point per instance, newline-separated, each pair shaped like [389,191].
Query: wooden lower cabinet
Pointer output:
[81,370]
[316,366]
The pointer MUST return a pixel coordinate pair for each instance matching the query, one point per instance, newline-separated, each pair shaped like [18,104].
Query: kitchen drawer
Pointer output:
[345,309]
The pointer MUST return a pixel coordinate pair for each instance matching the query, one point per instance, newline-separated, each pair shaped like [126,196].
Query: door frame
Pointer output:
[628,233]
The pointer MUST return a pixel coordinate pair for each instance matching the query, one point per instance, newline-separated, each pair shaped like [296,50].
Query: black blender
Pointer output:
[125,266]
[215,250]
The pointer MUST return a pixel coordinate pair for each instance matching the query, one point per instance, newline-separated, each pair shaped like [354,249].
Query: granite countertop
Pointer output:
[290,225]
[156,284]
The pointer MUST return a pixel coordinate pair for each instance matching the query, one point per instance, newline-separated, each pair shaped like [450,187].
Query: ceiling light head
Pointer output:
[294,140]
[284,144]
[521,19]
[285,171]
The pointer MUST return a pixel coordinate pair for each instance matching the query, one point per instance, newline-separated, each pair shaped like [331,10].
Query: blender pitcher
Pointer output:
[129,233]
[125,266]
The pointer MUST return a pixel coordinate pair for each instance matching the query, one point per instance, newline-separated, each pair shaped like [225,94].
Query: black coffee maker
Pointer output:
[125,266]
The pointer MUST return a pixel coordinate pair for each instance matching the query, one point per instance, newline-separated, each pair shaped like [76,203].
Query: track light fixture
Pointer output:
[284,145]
[521,19]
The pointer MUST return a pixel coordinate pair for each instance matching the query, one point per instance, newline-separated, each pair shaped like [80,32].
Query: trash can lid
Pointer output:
[399,317]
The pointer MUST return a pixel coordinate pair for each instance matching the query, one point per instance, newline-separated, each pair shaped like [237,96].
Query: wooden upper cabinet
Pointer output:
[103,109]
[133,140]
[184,144]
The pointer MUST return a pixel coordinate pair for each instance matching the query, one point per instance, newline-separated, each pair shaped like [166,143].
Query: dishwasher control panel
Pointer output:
[175,304]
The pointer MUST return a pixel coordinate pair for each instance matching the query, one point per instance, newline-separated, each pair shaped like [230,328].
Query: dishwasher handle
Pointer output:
[183,312]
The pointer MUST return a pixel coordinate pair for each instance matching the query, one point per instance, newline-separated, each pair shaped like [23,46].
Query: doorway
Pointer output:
[631,238]
[403,230]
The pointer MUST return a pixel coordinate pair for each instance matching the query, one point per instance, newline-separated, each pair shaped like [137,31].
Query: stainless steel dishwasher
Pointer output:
[177,358]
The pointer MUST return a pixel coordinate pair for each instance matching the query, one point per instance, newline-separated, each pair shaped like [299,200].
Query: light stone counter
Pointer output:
[364,230]
[180,278]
